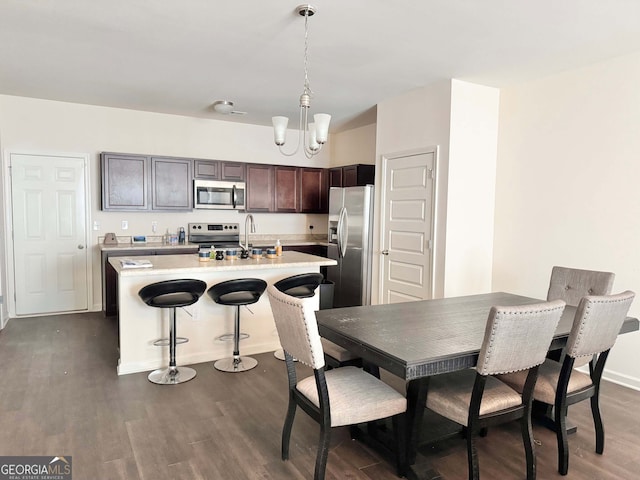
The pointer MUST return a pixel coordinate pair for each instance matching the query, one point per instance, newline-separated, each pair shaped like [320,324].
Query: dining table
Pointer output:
[419,339]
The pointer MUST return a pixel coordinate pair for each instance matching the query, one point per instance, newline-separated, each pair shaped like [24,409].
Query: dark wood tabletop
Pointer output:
[423,338]
[416,340]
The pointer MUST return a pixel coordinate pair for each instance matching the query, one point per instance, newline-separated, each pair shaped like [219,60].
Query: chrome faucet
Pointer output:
[246,231]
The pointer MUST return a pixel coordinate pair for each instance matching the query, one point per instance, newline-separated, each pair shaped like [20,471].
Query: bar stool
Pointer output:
[172,294]
[299,286]
[242,291]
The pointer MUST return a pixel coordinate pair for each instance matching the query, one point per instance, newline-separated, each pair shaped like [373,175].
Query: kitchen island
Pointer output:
[205,321]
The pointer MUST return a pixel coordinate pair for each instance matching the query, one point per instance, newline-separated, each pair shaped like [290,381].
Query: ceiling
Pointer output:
[179,56]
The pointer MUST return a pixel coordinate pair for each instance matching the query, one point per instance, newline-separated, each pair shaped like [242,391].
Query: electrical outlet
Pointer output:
[125,225]
[154,227]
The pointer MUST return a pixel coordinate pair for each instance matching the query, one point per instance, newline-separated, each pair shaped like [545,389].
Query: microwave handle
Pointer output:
[233,197]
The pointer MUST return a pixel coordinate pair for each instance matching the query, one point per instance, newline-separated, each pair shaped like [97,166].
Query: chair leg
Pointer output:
[561,435]
[472,456]
[323,452]
[527,440]
[597,422]
[286,429]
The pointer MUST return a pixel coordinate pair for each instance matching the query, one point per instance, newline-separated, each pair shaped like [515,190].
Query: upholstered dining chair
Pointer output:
[571,284]
[305,285]
[516,338]
[338,397]
[596,325]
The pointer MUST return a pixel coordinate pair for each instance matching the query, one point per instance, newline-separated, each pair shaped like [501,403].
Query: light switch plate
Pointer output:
[125,225]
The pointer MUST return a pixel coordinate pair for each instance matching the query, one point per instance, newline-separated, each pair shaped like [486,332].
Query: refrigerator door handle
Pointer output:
[343,223]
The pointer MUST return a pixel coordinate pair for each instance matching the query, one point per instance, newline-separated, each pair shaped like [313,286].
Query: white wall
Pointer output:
[417,120]
[470,201]
[357,145]
[461,119]
[32,125]
[567,186]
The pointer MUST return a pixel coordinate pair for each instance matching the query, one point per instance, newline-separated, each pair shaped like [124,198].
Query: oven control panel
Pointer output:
[213,228]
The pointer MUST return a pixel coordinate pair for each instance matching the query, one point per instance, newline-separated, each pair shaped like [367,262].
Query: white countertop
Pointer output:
[188,263]
[146,246]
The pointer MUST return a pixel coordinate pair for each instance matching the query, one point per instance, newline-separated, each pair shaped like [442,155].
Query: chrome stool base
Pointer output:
[279,354]
[171,375]
[235,364]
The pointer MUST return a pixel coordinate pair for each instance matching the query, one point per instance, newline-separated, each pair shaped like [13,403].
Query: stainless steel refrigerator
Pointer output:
[350,243]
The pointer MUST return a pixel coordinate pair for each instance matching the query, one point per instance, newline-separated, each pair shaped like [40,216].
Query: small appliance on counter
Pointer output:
[138,240]
[110,239]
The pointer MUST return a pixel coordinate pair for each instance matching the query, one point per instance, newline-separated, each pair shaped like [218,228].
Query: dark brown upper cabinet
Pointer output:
[219,170]
[352,175]
[287,193]
[286,189]
[171,183]
[259,188]
[141,182]
[125,181]
[314,191]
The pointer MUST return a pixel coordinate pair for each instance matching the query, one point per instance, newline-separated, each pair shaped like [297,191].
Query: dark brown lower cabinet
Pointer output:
[110,277]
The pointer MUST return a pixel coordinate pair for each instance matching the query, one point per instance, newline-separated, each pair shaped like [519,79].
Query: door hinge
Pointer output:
[430,173]
[429,244]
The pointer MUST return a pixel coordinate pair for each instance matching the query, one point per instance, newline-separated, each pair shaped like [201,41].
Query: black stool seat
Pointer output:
[238,292]
[300,286]
[303,285]
[172,294]
[242,291]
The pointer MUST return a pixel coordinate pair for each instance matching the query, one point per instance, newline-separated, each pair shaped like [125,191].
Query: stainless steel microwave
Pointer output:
[221,195]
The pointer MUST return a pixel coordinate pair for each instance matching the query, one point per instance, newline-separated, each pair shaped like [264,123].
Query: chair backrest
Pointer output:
[297,327]
[597,323]
[518,337]
[571,284]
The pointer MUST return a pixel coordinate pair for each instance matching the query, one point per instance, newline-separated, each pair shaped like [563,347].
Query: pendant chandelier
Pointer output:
[310,135]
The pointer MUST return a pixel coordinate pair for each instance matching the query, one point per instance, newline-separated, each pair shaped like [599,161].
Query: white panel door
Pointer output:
[407,228]
[49,233]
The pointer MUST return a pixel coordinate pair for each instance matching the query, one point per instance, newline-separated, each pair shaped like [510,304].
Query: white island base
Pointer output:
[205,321]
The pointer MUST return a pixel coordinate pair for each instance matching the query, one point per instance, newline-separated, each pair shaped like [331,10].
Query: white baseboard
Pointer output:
[621,379]
[216,353]
[617,378]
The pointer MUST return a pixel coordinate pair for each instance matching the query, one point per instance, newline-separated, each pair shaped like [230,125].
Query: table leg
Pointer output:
[416,399]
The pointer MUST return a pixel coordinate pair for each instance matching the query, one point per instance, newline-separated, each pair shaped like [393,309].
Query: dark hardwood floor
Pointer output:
[60,395]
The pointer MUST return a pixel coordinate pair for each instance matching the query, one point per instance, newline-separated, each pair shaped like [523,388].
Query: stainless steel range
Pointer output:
[215,235]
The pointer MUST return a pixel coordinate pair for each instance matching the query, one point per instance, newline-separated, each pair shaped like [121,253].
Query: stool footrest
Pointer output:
[164,342]
[227,337]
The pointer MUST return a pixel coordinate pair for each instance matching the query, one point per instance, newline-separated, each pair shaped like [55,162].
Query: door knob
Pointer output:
[80,247]
[385,252]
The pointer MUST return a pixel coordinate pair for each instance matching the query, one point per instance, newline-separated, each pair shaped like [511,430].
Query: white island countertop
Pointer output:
[190,263]
[205,323]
